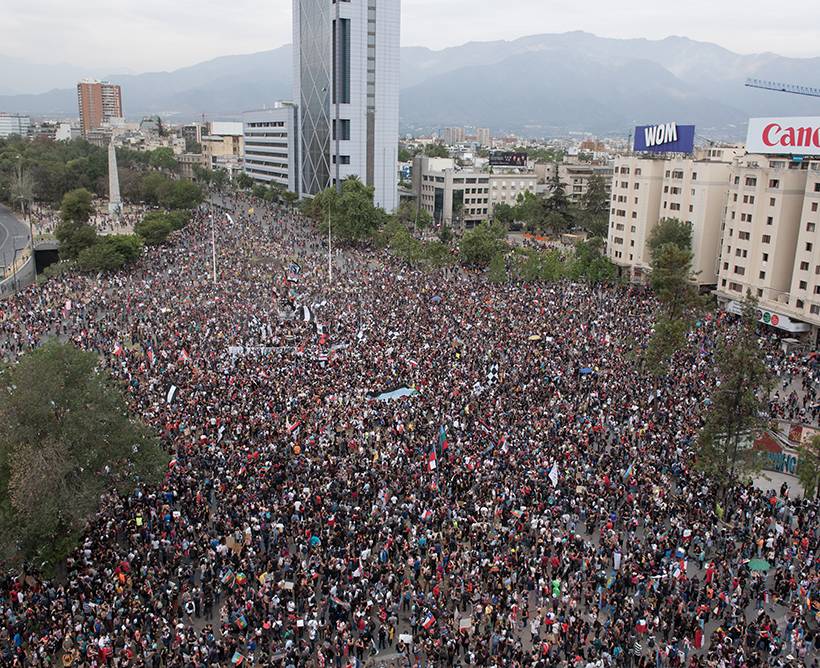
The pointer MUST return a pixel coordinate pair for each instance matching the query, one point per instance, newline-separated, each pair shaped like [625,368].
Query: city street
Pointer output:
[13,233]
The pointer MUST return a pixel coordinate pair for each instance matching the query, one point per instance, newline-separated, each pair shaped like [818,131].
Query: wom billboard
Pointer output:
[665,138]
[798,135]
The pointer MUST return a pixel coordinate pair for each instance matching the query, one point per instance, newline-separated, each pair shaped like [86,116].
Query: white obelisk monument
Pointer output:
[114,201]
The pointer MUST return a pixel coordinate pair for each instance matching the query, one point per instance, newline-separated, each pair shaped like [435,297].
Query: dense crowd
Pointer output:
[45,219]
[530,501]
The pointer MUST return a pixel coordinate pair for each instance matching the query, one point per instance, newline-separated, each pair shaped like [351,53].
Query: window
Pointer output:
[345,129]
[759,292]
[765,257]
[637,186]
[817,187]
[762,275]
[815,309]
[804,266]
[769,220]
[802,285]
[725,266]
[774,183]
[767,239]
[800,303]
[694,176]
[814,207]
[743,236]
[637,171]
[740,271]
[809,246]
[737,182]
[736,287]
[343,159]
[751,181]
[772,201]
[809,227]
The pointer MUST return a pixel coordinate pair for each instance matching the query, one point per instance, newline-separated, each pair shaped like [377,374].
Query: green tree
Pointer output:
[558,200]
[504,214]
[100,257]
[155,188]
[808,467]
[219,179]
[74,238]
[671,279]
[724,448]
[596,199]
[480,244]
[669,231]
[436,150]
[154,230]
[76,206]
[351,214]
[202,174]
[243,181]
[163,158]
[127,245]
[531,210]
[181,195]
[66,437]
[589,264]
[404,154]
[497,272]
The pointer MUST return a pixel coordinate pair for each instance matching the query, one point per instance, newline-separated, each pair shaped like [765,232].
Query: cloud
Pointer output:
[142,35]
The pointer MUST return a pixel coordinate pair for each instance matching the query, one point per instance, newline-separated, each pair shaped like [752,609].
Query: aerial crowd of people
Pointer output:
[404,467]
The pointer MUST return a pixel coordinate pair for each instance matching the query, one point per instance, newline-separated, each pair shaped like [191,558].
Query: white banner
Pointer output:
[798,135]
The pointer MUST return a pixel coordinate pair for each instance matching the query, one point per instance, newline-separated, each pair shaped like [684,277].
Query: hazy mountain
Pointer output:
[19,77]
[538,85]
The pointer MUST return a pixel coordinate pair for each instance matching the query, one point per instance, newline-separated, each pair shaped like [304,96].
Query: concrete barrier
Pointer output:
[22,278]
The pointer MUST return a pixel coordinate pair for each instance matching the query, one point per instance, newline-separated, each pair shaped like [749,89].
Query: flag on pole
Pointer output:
[307,314]
[443,444]
[628,471]
[428,622]
[229,218]
[432,460]
[553,474]
[172,394]
[237,658]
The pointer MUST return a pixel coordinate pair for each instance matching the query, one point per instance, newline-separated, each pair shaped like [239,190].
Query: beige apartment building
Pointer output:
[505,188]
[576,176]
[452,196]
[646,190]
[770,245]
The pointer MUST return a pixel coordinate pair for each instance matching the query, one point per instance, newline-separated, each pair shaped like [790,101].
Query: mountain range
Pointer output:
[537,86]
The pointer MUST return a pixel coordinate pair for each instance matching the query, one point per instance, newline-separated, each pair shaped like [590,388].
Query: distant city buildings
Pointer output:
[452,136]
[453,197]
[223,145]
[346,87]
[271,145]
[99,103]
[483,137]
[14,124]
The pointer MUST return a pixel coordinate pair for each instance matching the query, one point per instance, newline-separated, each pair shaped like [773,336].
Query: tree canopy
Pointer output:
[66,436]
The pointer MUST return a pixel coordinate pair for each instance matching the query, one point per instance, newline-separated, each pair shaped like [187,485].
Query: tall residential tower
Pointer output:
[99,102]
[346,86]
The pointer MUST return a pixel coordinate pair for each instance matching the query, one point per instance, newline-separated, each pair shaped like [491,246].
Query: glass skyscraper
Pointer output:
[346,83]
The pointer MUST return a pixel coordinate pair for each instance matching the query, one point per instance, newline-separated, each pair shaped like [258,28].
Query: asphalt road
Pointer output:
[11,231]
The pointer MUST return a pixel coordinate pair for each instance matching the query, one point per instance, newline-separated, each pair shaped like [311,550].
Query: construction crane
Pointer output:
[783,87]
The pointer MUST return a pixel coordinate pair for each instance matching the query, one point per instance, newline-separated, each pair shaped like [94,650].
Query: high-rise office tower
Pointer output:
[346,86]
[99,102]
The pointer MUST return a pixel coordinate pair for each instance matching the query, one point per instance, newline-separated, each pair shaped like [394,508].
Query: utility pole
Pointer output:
[213,239]
[329,248]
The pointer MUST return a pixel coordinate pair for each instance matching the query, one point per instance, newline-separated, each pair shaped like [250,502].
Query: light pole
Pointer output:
[21,195]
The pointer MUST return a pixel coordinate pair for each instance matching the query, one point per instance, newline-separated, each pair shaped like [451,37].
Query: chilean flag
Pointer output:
[183,355]
[118,351]
[640,626]
[428,622]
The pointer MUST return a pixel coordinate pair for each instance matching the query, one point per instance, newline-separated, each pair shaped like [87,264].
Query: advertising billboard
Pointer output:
[665,138]
[797,135]
[508,159]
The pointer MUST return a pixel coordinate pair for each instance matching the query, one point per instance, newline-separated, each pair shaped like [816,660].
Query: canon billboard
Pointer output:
[799,135]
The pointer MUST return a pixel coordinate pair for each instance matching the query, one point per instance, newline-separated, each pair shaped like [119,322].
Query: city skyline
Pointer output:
[104,47]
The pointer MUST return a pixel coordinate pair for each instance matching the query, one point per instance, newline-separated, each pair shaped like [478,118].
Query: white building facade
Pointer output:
[14,124]
[346,88]
[271,146]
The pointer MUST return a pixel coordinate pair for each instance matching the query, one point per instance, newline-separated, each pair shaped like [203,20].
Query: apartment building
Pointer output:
[576,176]
[770,246]
[452,196]
[99,102]
[452,136]
[646,190]
[271,145]
[14,124]
[506,187]
[223,145]
[483,137]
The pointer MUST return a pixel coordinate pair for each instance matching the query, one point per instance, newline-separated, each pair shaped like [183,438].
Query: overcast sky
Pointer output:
[142,35]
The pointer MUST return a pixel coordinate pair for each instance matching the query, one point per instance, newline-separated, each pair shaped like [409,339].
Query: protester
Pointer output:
[530,500]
